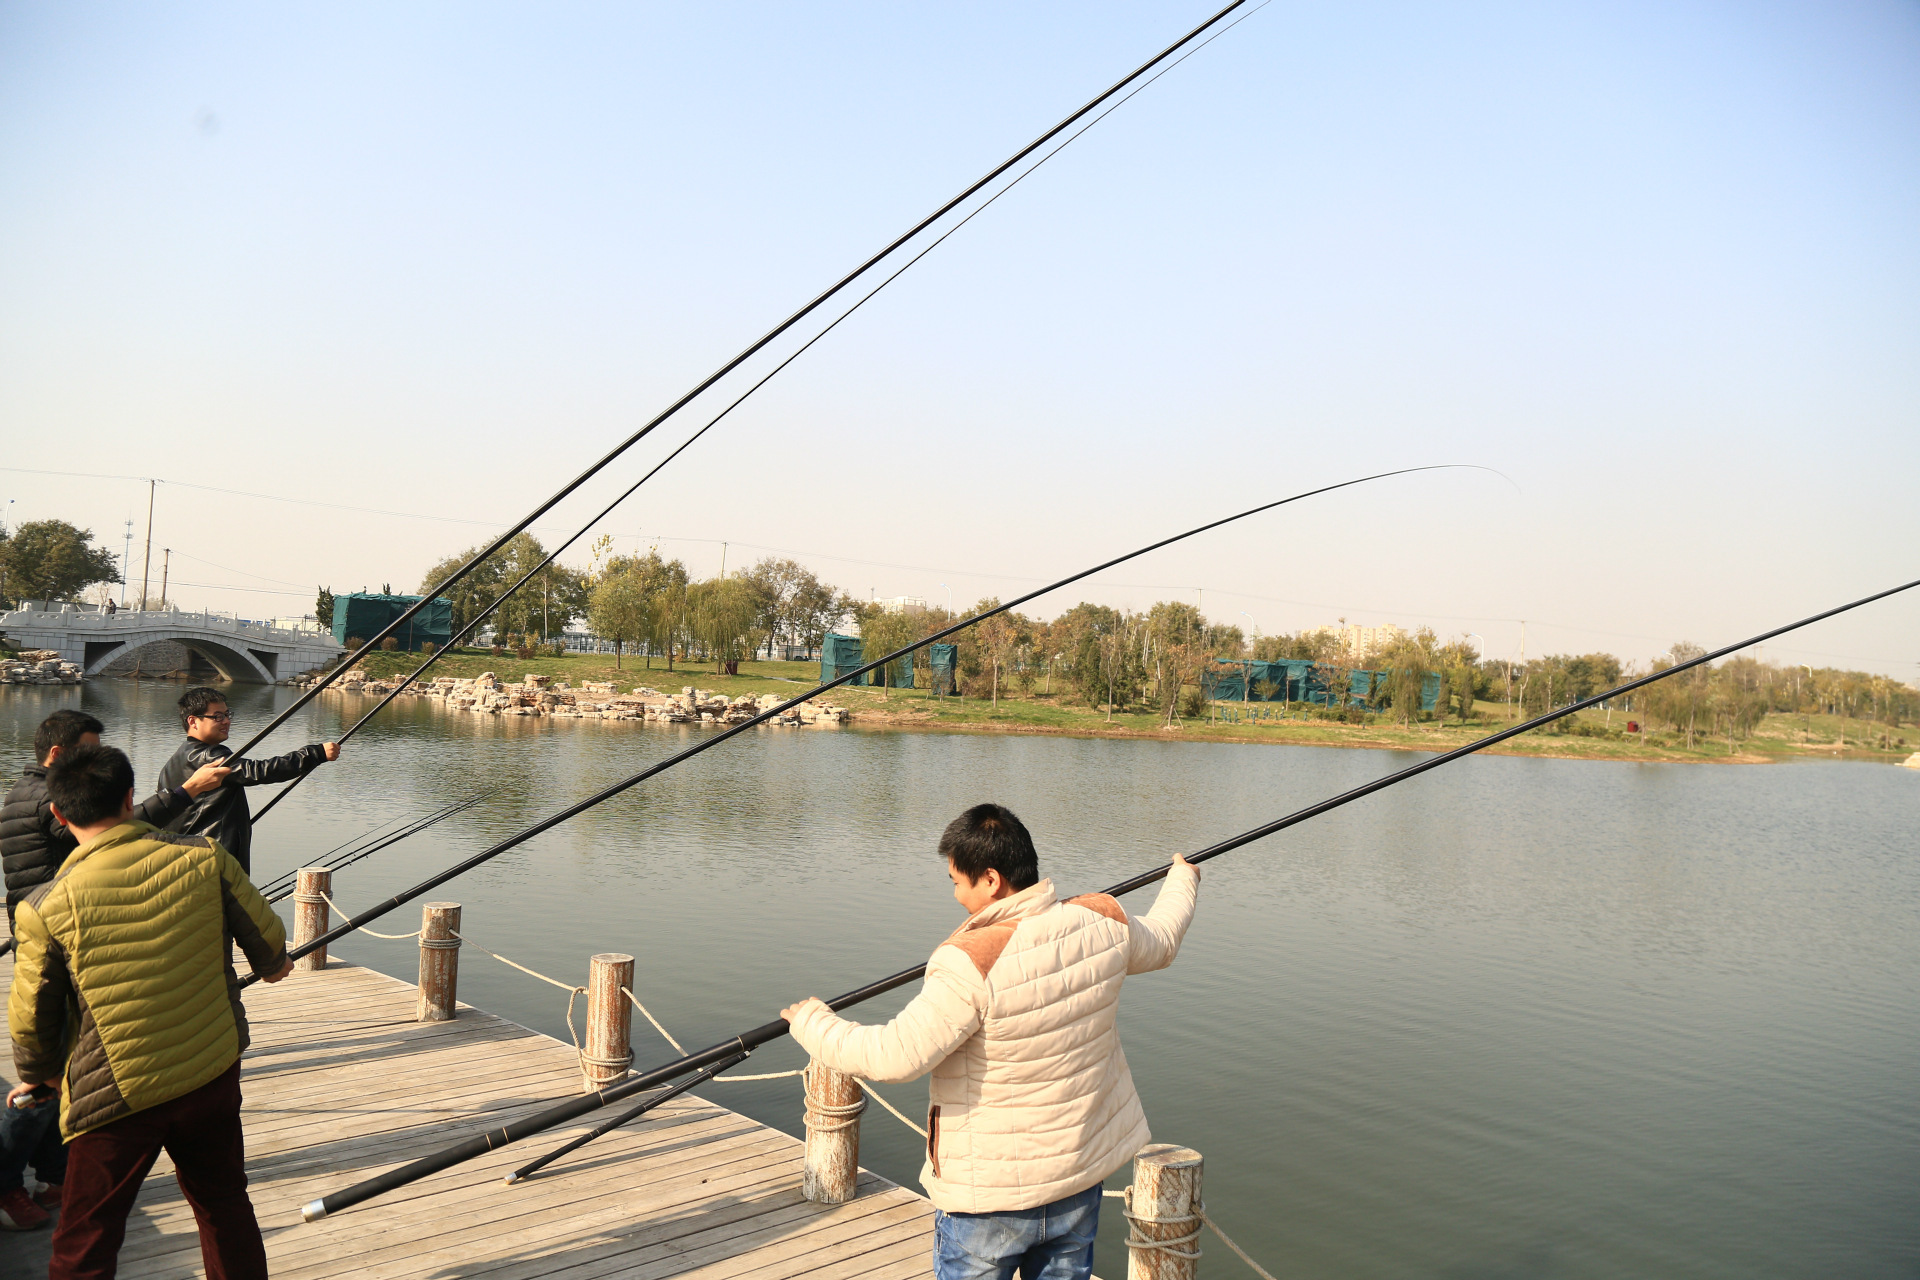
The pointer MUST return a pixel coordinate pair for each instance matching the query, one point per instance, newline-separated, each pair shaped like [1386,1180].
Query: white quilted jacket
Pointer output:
[1030,1099]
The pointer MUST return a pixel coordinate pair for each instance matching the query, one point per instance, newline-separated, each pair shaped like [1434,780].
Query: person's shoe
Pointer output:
[18,1212]
[48,1196]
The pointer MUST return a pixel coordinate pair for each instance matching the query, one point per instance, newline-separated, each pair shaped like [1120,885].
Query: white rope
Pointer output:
[564,986]
[1186,1247]
[891,1109]
[1136,1241]
[623,1065]
[1261,1271]
[344,916]
[833,1116]
[656,1023]
[771,1075]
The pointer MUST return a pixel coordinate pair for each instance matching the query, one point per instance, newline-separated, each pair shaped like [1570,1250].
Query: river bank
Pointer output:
[1590,735]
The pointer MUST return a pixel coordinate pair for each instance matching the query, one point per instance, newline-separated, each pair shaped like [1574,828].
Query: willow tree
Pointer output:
[723,614]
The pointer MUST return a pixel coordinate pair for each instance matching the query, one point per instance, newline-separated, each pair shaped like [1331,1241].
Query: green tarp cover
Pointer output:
[838,655]
[366,613]
[1297,680]
[943,661]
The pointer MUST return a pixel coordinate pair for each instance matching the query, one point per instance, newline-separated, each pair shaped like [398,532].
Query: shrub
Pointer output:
[1193,703]
[426,646]
[354,642]
[390,643]
[497,651]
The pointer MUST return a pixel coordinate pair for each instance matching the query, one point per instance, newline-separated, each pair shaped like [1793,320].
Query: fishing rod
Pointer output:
[607,793]
[475,622]
[526,1171]
[284,888]
[747,1041]
[352,844]
[751,350]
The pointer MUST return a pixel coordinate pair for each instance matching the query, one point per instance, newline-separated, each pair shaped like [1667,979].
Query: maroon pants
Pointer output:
[201,1131]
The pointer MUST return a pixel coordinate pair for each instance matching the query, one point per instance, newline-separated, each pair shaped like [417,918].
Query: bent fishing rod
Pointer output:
[607,793]
[747,1041]
[688,443]
[751,350]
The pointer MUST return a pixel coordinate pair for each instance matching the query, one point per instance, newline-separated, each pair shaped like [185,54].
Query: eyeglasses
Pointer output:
[223,717]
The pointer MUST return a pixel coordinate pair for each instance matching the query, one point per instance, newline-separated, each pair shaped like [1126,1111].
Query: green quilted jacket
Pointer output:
[123,987]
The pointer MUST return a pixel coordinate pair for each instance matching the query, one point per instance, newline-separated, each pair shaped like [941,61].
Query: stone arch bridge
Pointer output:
[242,652]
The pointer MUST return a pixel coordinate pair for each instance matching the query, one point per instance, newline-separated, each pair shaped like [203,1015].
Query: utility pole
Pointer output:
[126,554]
[146,569]
[166,562]
[723,559]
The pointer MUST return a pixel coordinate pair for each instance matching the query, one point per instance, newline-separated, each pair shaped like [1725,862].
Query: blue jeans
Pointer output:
[31,1136]
[1053,1242]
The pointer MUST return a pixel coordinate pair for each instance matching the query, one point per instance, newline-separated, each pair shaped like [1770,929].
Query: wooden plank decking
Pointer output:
[341,1083]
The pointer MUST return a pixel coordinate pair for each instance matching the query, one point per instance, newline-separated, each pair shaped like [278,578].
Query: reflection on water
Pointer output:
[1516,1019]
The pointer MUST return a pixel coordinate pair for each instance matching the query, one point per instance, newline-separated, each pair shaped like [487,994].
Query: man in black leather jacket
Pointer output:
[33,843]
[223,815]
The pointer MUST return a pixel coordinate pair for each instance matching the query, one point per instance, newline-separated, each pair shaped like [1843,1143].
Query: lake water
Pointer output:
[1515,1020]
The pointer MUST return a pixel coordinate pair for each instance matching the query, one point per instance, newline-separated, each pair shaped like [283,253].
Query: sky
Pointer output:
[363,284]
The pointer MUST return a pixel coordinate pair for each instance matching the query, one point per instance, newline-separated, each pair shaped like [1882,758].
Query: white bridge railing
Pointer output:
[133,620]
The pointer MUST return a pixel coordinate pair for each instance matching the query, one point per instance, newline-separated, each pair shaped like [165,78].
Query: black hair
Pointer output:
[88,784]
[195,701]
[986,838]
[63,729]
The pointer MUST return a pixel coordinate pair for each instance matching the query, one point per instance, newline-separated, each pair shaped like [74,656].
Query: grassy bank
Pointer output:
[1588,735]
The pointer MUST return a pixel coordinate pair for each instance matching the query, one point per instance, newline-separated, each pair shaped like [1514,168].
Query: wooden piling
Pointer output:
[607,1053]
[834,1103]
[439,962]
[311,914]
[1163,1208]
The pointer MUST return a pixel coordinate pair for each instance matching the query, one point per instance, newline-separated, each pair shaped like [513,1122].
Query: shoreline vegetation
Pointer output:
[1592,735]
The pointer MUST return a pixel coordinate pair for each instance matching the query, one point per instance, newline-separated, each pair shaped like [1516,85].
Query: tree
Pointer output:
[723,612]
[1333,668]
[323,608]
[794,603]
[620,608]
[993,641]
[53,560]
[1183,648]
[1409,659]
[881,633]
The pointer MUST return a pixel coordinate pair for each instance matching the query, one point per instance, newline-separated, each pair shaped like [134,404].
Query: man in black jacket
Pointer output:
[223,815]
[33,842]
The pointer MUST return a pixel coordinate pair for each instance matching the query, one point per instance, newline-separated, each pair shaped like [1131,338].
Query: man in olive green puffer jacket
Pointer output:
[124,994]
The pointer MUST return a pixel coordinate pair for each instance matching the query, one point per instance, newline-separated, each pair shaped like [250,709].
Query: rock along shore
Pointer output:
[40,666]
[534,695]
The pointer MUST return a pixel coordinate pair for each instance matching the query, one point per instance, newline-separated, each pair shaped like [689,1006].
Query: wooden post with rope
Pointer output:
[439,962]
[834,1103]
[310,914]
[1163,1208]
[607,1054]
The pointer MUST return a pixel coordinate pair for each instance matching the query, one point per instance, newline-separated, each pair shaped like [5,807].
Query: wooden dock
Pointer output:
[341,1083]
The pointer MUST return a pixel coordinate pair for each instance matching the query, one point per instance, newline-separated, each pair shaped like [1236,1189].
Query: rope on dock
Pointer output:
[1174,1246]
[628,993]
[344,915]
[833,1116]
[573,993]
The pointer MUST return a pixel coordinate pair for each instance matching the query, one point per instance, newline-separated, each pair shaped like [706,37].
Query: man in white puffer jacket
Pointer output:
[1031,1105]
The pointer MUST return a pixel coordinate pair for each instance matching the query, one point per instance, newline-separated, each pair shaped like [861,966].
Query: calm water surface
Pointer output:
[1518,1019]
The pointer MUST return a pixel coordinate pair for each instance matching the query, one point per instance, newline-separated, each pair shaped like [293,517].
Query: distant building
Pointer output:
[1357,641]
[913,606]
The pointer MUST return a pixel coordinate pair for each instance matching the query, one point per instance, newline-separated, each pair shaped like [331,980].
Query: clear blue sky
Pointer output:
[1658,263]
